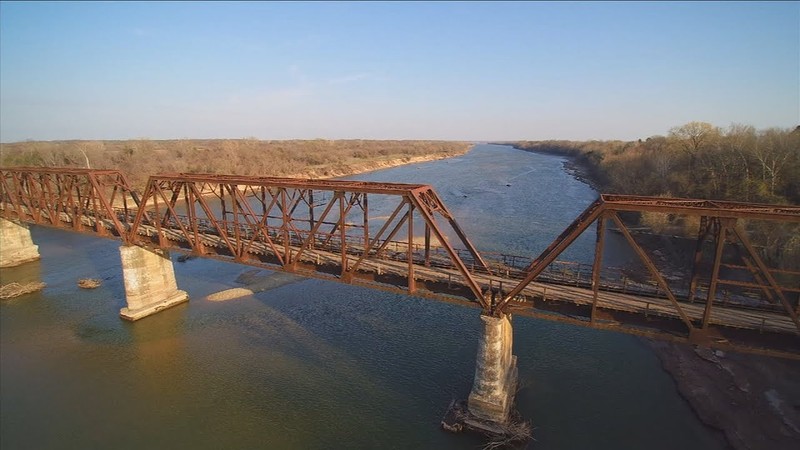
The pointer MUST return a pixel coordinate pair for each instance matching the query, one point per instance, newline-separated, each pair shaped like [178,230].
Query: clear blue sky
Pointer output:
[450,70]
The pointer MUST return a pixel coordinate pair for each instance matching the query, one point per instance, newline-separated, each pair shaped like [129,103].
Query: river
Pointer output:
[317,364]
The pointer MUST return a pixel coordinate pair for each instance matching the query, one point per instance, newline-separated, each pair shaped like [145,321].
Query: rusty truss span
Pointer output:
[402,238]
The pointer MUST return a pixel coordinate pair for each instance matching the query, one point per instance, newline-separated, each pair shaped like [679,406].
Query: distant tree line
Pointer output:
[143,157]
[699,160]
[695,160]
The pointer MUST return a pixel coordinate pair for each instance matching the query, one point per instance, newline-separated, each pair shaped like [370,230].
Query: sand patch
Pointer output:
[255,281]
[229,294]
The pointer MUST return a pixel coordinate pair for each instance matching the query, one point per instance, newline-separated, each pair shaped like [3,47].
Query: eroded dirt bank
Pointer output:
[754,400]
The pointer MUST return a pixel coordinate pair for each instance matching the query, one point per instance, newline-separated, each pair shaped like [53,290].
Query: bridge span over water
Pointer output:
[740,295]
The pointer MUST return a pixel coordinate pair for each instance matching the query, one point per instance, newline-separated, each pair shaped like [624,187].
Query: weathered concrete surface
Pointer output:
[495,371]
[16,245]
[149,282]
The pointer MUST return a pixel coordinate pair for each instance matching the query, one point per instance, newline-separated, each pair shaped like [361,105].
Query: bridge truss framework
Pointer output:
[366,234]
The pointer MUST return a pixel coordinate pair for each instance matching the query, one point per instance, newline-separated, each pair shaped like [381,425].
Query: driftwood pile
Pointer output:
[12,290]
[89,283]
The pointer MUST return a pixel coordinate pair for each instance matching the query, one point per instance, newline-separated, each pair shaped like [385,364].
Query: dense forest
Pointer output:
[301,158]
[695,160]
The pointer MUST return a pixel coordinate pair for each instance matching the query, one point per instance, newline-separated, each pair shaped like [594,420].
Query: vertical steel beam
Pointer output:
[188,196]
[720,235]
[412,285]
[365,206]
[287,250]
[222,204]
[702,235]
[598,260]
[311,225]
[427,245]
[342,224]
[157,215]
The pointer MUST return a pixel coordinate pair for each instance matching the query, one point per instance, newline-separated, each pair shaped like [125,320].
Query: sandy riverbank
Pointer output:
[369,166]
[326,172]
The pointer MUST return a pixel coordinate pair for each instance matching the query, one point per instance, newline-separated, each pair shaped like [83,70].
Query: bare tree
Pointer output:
[773,152]
[741,141]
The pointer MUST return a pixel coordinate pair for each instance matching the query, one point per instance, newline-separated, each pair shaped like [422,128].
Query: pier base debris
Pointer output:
[12,290]
[89,283]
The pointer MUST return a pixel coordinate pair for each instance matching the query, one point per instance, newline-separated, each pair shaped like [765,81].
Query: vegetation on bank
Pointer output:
[699,160]
[143,157]
[695,160]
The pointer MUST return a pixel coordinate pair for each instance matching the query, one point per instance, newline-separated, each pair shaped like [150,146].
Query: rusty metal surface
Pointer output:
[287,222]
[82,200]
[756,285]
[327,229]
[711,208]
[296,183]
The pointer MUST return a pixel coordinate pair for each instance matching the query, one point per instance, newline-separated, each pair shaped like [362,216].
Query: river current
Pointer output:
[317,364]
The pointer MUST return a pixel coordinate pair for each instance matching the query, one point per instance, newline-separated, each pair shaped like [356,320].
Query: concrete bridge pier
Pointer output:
[495,373]
[16,245]
[149,282]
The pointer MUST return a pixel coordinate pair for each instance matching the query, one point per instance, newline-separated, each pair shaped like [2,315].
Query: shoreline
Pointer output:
[323,173]
[577,167]
[752,400]
[371,166]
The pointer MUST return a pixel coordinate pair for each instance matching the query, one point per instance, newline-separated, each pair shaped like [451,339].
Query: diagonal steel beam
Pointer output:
[454,258]
[378,236]
[653,270]
[567,237]
[737,230]
[720,236]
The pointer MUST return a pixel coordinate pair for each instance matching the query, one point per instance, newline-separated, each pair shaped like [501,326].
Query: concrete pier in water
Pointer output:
[488,408]
[16,245]
[149,282]
[495,372]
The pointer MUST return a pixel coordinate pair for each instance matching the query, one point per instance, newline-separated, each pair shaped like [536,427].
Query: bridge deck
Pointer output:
[371,270]
[323,229]
[640,304]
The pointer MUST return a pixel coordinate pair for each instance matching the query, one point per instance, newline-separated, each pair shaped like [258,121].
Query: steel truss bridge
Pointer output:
[402,238]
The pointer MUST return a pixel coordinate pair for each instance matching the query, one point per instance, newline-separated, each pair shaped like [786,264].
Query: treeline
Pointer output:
[699,160]
[143,157]
[695,160]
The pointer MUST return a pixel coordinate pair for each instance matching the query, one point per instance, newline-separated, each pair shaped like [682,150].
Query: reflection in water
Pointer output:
[316,364]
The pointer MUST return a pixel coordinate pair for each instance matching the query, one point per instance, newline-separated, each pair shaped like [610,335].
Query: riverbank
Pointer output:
[325,172]
[317,158]
[577,163]
[369,166]
[753,400]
